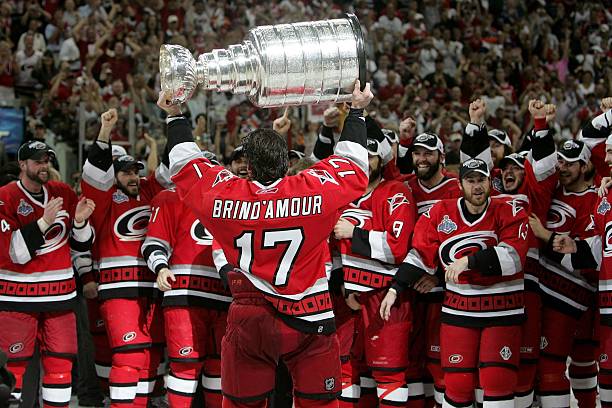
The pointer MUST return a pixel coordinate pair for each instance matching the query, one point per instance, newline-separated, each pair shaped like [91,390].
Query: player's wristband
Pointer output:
[42,224]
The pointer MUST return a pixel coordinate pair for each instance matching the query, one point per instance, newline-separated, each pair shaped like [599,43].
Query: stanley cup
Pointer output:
[280,65]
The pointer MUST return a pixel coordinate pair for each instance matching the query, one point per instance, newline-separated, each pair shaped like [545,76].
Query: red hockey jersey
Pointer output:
[277,233]
[568,290]
[491,291]
[120,223]
[178,240]
[384,220]
[35,268]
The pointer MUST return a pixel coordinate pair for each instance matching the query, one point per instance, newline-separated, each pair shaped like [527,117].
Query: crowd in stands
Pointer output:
[63,60]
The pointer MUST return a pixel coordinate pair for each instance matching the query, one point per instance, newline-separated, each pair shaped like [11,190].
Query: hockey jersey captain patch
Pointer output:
[24,208]
[603,207]
[447,225]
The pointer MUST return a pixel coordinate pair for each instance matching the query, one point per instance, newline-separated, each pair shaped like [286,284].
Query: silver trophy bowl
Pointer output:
[280,65]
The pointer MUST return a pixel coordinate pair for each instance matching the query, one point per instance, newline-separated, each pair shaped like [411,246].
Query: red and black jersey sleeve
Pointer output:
[158,244]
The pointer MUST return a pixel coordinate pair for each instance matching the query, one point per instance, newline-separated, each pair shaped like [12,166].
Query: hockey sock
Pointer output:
[17,368]
[368,398]
[57,381]
[391,387]
[459,389]
[498,384]
[183,383]
[583,379]
[553,387]
[523,393]
[211,381]
[124,376]
[351,391]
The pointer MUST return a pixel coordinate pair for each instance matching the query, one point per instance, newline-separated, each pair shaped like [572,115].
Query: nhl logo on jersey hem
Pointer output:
[330,384]
[505,353]
[447,225]
[603,207]
[120,197]
[24,208]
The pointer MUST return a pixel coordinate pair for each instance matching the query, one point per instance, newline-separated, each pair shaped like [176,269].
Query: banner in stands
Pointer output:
[12,128]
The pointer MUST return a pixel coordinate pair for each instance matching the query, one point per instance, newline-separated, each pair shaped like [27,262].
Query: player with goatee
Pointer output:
[125,285]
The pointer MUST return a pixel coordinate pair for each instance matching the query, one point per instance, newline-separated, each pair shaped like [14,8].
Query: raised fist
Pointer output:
[109,118]
[407,128]
[477,111]
[361,99]
[537,109]
[551,112]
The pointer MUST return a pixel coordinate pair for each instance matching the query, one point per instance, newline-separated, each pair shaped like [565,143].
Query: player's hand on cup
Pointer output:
[283,124]
[604,187]
[90,290]
[387,304]
[343,229]
[477,111]
[109,118]
[352,300]
[426,283]
[455,269]
[361,99]
[164,276]
[51,209]
[165,103]
[84,209]
[564,244]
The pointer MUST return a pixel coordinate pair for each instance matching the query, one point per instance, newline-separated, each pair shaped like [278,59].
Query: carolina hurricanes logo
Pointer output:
[465,244]
[397,200]
[323,176]
[16,348]
[56,235]
[560,214]
[607,244]
[357,216]
[133,224]
[200,234]
[223,176]
[185,351]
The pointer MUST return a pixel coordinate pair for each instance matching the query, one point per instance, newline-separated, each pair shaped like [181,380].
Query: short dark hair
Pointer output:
[266,151]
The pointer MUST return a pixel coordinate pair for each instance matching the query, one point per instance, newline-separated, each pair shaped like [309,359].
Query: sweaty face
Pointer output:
[240,167]
[512,177]
[426,162]
[476,188]
[497,151]
[569,172]
[129,182]
[37,170]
